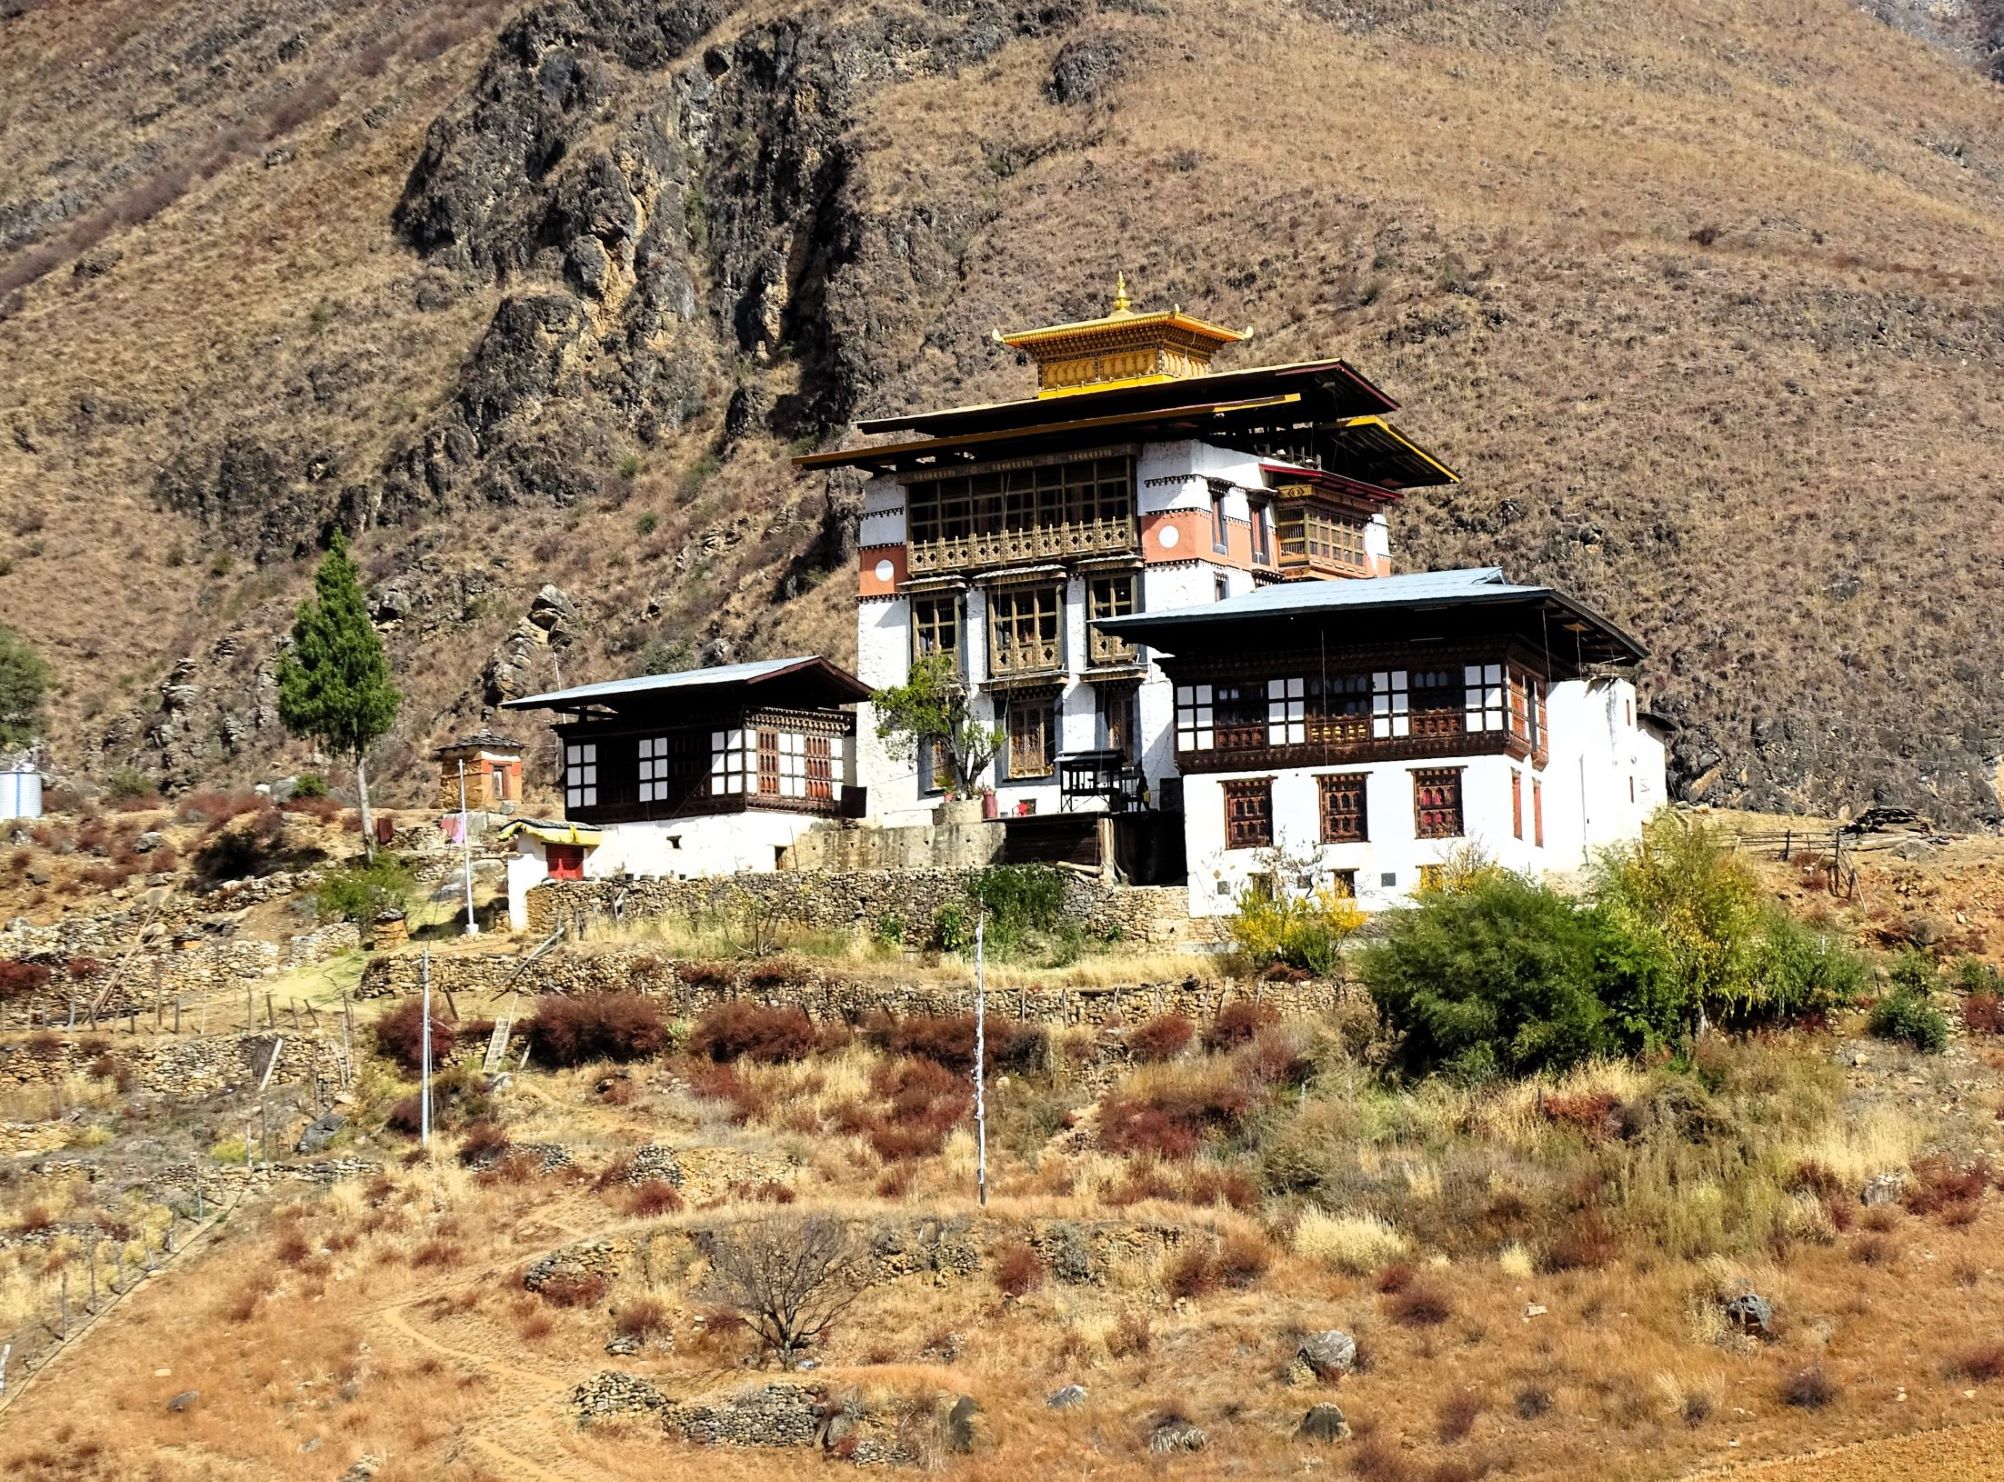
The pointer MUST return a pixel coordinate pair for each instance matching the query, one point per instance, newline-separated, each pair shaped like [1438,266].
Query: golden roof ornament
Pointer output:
[1125,347]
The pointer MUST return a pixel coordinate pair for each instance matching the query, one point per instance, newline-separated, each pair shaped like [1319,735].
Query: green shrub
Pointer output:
[362,892]
[1018,899]
[1974,975]
[309,785]
[1809,974]
[1304,931]
[1497,979]
[1908,1015]
[888,930]
[952,928]
[128,784]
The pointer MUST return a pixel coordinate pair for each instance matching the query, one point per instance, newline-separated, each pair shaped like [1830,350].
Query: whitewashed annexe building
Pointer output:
[703,772]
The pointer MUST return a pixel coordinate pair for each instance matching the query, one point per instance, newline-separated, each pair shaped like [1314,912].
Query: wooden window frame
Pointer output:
[1343,807]
[1128,697]
[1110,594]
[581,776]
[1438,805]
[1262,531]
[1538,812]
[1196,717]
[1029,617]
[938,621]
[1516,803]
[1045,707]
[1248,826]
[1343,883]
[1221,542]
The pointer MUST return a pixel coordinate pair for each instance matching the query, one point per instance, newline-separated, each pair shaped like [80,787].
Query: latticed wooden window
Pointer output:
[1081,504]
[1339,707]
[581,774]
[1321,538]
[1437,803]
[1195,718]
[935,625]
[1109,597]
[820,767]
[1517,803]
[1344,817]
[1482,698]
[1249,813]
[1117,730]
[1241,711]
[1262,532]
[1025,629]
[768,763]
[1032,737]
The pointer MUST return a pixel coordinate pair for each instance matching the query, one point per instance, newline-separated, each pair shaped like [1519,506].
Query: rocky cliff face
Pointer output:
[602,263]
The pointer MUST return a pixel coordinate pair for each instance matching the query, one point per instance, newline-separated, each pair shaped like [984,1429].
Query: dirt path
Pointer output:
[1961,1454]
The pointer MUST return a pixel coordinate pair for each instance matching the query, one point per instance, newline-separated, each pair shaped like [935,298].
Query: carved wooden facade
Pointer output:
[624,769]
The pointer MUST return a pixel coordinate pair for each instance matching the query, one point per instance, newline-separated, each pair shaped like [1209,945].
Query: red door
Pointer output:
[566,861]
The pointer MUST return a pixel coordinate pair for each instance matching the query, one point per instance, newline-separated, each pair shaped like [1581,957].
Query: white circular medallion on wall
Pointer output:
[1169,536]
[885,571]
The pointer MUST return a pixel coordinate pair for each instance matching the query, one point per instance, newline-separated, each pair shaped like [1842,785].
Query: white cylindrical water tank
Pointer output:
[20,794]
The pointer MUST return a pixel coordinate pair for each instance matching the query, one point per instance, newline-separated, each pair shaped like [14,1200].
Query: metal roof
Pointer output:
[687,679]
[1467,586]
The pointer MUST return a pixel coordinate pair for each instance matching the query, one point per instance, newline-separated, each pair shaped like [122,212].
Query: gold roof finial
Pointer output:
[1121,303]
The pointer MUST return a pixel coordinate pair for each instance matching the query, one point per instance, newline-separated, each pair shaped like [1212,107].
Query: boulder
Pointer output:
[1751,1313]
[320,1132]
[1883,1188]
[148,841]
[1071,1397]
[1177,1433]
[1323,1423]
[1328,1355]
[961,1424]
[184,1400]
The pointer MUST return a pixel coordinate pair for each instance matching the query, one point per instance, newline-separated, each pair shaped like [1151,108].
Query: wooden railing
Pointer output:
[1035,543]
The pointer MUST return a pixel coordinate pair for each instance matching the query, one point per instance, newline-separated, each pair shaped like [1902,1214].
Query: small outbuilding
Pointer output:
[493,765]
[701,772]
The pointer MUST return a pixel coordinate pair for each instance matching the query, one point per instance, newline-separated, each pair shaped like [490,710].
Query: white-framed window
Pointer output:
[1391,705]
[1486,706]
[581,774]
[1193,717]
[733,761]
[1286,712]
[792,764]
[651,753]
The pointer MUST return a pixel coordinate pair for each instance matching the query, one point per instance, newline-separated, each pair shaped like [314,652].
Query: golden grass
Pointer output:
[1351,1243]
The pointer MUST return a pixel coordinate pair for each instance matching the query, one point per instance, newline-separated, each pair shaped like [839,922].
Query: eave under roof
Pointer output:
[1593,638]
[837,683]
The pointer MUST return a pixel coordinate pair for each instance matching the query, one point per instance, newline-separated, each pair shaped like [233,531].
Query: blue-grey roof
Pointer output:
[1466,586]
[685,679]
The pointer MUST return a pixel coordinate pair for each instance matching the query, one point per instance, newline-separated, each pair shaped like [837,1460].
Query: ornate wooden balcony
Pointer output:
[1008,547]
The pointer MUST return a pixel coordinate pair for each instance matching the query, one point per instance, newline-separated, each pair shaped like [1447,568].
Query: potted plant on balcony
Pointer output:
[931,709]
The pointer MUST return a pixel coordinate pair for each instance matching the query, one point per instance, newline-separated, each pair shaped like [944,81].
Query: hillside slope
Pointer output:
[1708,307]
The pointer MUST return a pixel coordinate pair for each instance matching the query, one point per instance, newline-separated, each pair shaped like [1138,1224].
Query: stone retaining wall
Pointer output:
[198,970]
[187,1069]
[842,899]
[827,994]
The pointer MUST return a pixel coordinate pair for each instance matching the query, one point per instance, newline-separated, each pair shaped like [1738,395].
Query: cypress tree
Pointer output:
[334,685]
[24,679]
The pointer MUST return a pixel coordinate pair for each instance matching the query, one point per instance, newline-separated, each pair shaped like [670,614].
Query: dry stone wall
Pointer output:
[841,899]
[827,994]
[187,1069]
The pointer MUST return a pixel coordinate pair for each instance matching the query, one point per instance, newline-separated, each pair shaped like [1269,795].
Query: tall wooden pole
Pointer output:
[466,850]
[424,1058]
[980,1056]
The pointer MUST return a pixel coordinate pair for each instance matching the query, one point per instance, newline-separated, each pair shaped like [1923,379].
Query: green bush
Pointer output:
[952,928]
[362,892]
[128,784]
[1974,975]
[1304,931]
[1018,899]
[1809,974]
[888,930]
[1910,1017]
[309,785]
[1497,979]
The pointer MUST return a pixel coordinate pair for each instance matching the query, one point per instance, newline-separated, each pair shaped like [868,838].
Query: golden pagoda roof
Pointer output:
[1123,347]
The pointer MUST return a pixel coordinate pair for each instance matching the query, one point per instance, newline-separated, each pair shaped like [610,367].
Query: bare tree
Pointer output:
[790,1278]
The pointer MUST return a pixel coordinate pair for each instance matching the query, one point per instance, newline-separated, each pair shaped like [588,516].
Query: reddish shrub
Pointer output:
[1983,1013]
[1243,1258]
[34,1218]
[599,1026]
[1421,1305]
[484,1143]
[769,1192]
[405,1116]
[1170,1121]
[1017,1269]
[1212,1184]
[1161,1038]
[400,1036]
[655,1196]
[1874,1250]
[1939,1184]
[948,1040]
[704,974]
[751,1031]
[1597,1114]
[212,807]
[83,969]
[778,972]
[713,1082]
[642,1318]
[1237,1023]
[1979,1365]
[572,1289]
[436,1253]
[1274,1058]
[1396,1278]
[1192,1273]
[19,979]
[1457,1416]
[1131,1335]
[1812,1177]
[1586,1244]
[1808,1389]
[292,1249]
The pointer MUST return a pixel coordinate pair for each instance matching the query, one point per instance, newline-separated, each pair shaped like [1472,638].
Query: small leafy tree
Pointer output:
[334,684]
[931,706]
[789,1278]
[24,685]
[1496,979]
